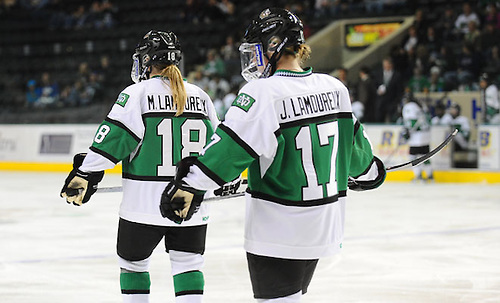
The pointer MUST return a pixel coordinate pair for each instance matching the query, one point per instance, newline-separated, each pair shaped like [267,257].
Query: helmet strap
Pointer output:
[271,64]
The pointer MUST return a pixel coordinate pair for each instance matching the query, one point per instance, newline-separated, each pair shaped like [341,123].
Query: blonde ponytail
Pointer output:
[179,94]
[304,52]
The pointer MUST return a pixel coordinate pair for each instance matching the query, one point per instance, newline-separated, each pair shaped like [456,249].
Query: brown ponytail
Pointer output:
[179,94]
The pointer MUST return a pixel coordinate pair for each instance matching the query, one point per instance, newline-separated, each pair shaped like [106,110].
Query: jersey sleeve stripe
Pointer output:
[122,126]
[357,125]
[210,173]
[104,154]
[238,140]
[308,203]
[319,119]
[277,133]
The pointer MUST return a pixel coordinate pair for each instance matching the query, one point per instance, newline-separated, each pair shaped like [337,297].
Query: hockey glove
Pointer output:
[405,133]
[80,186]
[179,201]
[229,188]
[361,185]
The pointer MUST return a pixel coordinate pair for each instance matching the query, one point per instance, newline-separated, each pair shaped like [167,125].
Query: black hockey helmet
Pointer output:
[272,26]
[160,47]
[274,29]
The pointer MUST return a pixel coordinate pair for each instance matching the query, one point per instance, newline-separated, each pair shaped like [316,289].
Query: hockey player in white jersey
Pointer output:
[153,124]
[490,101]
[418,135]
[461,123]
[441,117]
[295,132]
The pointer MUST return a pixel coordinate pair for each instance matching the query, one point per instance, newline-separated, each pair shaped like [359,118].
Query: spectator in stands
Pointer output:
[436,82]
[493,63]
[411,40]
[469,66]
[419,81]
[226,7]
[191,12]
[342,76]
[198,79]
[212,12]
[432,42]
[367,94]
[218,86]
[420,24]
[105,74]
[445,25]
[100,15]
[490,37]
[83,73]
[229,51]
[32,93]
[214,64]
[390,91]
[447,63]
[49,91]
[467,15]
[473,35]
[374,6]
[77,18]
[492,15]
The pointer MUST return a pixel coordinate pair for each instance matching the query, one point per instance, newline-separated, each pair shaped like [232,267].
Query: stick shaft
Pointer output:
[427,156]
[117,189]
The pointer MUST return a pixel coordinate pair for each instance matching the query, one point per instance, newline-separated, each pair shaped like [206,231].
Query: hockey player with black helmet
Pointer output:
[295,132]
[151,127]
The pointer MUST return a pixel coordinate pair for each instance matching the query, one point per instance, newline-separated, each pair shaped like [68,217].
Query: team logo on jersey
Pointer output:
[243,101]
[122,99]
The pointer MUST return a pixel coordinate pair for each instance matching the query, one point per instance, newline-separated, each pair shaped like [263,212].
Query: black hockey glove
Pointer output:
[229,188]
[405,133]
[80,186]
[361,185]
[179,201]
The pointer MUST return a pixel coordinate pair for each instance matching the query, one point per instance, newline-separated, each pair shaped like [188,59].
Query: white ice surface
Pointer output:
[432,243]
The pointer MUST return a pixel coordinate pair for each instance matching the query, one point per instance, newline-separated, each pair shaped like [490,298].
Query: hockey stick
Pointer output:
[116,189]
[415,162]
[427,156]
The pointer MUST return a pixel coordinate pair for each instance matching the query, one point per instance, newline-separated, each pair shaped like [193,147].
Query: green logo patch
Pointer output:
[122,99]
[243,101]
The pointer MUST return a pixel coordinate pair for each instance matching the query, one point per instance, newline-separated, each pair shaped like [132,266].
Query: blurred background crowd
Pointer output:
[60,55]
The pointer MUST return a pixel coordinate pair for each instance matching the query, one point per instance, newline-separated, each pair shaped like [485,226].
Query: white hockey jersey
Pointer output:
[296,133]
[141,130]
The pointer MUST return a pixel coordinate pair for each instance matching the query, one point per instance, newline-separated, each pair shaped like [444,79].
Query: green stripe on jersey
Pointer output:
[114,140]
